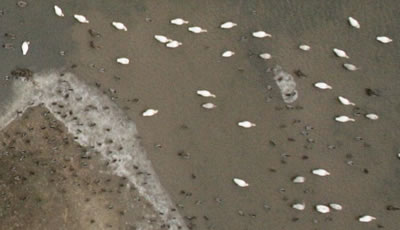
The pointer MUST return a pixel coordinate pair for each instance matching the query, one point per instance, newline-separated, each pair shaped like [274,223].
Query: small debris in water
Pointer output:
[8,46]
[184,155]
[22,72]
[22,4]
[10,36]
[93,45]
[266,207]
[94,33]
[392,208]
[300,73]
[372,92]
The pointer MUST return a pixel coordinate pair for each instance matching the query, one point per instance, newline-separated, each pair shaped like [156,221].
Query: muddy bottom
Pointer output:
[48,181]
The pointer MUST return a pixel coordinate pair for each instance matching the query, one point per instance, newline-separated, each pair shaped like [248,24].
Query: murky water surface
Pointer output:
[287,141]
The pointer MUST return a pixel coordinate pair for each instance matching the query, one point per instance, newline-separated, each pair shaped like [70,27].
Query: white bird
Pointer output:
[322,85]
[372,116]
[123,61]
[58,11]
[240,182]
[228,25]
[340,53]
[246,124]
[350,67]
[299,206]
[261,34]
[322,208]
[345,101]
[173,44]
[149,112]
[196,29]
[179,21]
[25,47]
[119,26]
[344,119]
[208,105]
[299,180]
[305,47]
[366,218]
[320,172]
[162,38]
[265,56]
[81,18]
[336,207]
[384,39]
[354,23]
[228,53]
[205,93]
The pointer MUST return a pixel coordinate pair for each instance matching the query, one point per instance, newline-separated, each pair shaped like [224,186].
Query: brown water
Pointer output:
[166,79]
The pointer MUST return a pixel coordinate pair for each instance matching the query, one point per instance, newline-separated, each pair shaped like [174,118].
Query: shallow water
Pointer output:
[166,79]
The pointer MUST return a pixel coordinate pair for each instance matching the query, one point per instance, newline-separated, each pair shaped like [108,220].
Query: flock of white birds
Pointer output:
[171,43]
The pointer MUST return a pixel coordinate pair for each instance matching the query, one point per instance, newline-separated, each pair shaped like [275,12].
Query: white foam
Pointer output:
[100,125]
